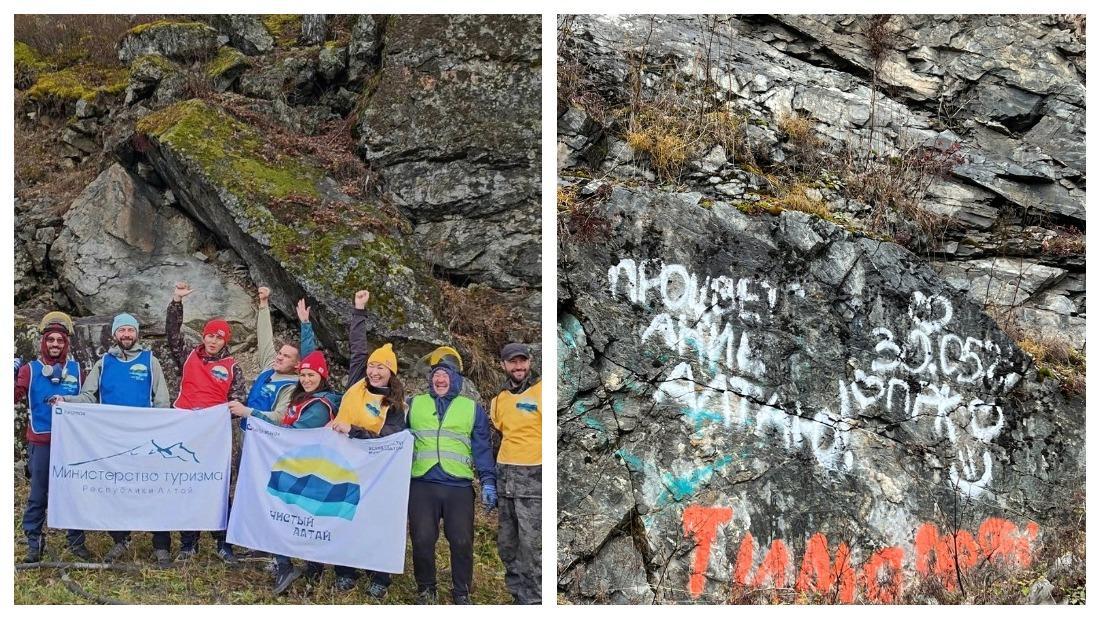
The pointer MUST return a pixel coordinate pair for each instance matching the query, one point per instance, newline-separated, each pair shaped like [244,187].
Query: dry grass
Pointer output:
[672,134]
[1065,241]
[798,128]
[1054,353]
[206,580]
[797,199]
[579,219]
[481,320]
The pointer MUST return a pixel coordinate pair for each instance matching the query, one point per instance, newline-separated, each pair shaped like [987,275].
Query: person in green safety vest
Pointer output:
[451,433]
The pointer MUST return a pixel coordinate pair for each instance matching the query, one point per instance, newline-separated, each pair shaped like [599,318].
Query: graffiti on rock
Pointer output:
[882,576]
[714,327]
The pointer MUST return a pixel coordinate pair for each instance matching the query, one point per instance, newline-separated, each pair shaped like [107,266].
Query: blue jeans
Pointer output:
[34,517]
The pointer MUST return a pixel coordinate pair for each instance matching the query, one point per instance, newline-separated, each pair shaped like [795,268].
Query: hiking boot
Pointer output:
[461,599]
[163,558]
[35,548]
[187,553]
[225,553]
[377,590]
[312,574]
[283,578]
[81,552]
[345,583]
[427,596]
[116,552]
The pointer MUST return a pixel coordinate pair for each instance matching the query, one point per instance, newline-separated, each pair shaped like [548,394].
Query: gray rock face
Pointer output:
[178,41]
[314,29]
[1005,92]
[364,50]
[452,131]
[246,32]
[752,402]
[119,251]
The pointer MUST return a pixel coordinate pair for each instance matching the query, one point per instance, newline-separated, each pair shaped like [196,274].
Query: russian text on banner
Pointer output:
[319,495]
[139,469]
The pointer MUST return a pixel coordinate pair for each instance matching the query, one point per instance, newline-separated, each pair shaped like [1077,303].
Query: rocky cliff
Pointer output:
[805,268]
[315,154]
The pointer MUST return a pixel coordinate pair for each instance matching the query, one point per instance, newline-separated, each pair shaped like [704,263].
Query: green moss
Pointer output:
[227,58]
[163,23]
[79,82]
[27,59]
[142,63]
[283,28]
[333,251]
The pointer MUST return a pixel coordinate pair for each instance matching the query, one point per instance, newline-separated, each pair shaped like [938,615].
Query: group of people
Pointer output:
[452,435]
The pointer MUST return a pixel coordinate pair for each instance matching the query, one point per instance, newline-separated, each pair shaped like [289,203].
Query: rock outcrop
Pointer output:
[727,378]
[762,393]
[120,250]
[988,136]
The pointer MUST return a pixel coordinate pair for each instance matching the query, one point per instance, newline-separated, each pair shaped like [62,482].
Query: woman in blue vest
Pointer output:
[313,404]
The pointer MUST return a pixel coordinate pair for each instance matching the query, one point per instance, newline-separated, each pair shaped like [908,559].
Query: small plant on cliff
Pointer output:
[1066,241]
[579,219]
[1055,354]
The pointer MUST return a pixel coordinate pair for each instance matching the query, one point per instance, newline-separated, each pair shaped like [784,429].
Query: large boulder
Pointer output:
[453,131]
[297,232]
[184,41]
[119,250]
[773,402]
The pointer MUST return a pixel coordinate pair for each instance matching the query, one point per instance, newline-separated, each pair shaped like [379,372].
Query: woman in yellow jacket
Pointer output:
[374,406]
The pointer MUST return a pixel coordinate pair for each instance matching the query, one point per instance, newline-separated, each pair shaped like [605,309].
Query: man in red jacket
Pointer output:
[208,376]
[53,373]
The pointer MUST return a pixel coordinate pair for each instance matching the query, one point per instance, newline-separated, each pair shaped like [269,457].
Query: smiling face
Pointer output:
[213,343]
[378,374]
[517,368]
[310,380]
[126,337]
[286,360]
[55,344]
[441,382]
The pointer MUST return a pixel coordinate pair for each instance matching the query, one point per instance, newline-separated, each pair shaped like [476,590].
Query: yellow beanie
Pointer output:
[59,318]
[383,355]
[445,355]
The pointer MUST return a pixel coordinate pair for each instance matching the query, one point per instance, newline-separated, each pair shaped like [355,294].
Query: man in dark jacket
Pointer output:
[53,373]
[128,374]
[451,434]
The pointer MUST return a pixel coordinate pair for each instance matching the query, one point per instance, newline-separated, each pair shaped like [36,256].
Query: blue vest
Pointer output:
[265,391]
[127,383]
[42,389]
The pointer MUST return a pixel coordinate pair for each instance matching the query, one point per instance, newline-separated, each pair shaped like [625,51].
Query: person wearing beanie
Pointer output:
[374,406]
[53,373]
[128,374]
[209,375]
[313,404]
[516,412]
[451,441]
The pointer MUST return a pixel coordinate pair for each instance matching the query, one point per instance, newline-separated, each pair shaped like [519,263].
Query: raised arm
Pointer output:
[307,342]
[357,338]
[265,341]
[174,321]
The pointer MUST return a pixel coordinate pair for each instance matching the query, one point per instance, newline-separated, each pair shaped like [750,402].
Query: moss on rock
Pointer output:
[331,243]
[283,28]
[83,81]
[228,59]
[166,23]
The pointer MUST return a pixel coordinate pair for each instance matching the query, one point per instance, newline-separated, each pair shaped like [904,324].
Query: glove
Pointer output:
[489,496]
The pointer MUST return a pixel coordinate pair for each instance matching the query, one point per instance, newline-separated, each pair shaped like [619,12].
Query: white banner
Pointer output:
[124,468]
[319,495]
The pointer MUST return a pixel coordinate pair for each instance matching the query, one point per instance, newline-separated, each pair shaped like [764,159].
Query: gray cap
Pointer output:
[513,350]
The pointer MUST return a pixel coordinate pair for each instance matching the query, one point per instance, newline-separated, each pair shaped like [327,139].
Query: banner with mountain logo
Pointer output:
[119,468]
[321,496]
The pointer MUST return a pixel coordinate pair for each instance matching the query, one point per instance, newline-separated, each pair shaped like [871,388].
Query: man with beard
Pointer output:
[517,414]
[271,390]
[126,375]
[53,373]
[451,433]
[209,375]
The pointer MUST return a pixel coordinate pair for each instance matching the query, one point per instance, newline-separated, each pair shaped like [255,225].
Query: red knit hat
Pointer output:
[218,327]
[315,361]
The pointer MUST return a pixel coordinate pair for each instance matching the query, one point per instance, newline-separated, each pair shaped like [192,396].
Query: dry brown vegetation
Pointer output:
[1054,353]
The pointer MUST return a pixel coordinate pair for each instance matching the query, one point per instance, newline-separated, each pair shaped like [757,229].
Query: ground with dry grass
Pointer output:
[206,580]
